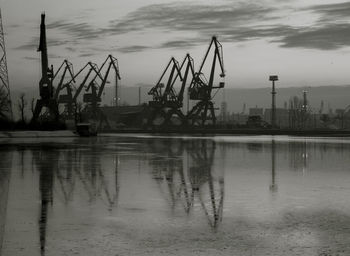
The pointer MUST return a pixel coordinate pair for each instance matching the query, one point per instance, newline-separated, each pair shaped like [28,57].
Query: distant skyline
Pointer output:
[306,43]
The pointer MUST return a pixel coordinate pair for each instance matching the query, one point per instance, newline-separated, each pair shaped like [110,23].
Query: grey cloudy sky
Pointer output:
[305,42]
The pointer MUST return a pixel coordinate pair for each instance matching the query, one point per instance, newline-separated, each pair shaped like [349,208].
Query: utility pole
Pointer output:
[4,78]
[273,78]
[139,95]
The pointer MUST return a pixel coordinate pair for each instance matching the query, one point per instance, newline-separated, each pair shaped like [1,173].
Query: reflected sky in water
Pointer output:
[156,195]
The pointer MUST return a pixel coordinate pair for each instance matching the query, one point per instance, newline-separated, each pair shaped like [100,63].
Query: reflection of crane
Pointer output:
[46,162]
[171,176]
[94,180]
[45,85]
[187,184]
[200,174]
[65,177]
[200,89]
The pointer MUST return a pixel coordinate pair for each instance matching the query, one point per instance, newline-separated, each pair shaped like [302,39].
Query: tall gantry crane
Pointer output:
[169,103]
[201,89]
[45,85]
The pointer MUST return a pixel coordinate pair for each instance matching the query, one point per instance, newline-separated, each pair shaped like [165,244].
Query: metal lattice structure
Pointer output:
[5,96]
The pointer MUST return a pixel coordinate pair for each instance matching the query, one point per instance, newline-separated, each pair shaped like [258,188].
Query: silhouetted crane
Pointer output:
[45,85]
[68,67]
[70,99]
[201,89]
[164,101]
[94,91]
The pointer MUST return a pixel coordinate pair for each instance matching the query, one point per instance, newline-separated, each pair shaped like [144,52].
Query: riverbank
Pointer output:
[68,133]
[36,134]
[211,131]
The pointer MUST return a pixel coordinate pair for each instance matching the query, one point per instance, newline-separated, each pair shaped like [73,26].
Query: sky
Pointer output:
[304,42]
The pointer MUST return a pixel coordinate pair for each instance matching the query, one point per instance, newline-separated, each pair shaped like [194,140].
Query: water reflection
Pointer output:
[46,162]
[201,175]
[64,168]
[184,174]
[273,186]
[185,181]
[5,163]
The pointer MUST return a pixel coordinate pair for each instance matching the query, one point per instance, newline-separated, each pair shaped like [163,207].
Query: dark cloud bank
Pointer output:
[231,22]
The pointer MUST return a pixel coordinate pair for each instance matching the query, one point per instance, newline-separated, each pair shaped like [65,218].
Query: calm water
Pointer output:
[144,195]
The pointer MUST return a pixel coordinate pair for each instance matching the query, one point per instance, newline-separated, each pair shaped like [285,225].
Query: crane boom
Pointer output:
[189,67]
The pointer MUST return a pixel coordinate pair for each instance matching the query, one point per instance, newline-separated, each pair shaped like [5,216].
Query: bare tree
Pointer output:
[22,103]
[32,106]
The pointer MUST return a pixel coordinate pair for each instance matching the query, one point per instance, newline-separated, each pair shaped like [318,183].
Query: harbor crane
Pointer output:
[72,93]
[162,99]
[66,68]
[45,85]
[168,104]
[94,91]
[201,90]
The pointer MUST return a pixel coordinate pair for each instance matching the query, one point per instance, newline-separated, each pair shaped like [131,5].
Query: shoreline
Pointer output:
[238,132]
[213,132]
[36,134]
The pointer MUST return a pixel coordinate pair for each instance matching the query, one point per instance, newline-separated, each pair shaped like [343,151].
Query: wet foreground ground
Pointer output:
[147,195]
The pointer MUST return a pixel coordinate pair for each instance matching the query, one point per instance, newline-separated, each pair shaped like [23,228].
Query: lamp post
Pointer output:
[273,78]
